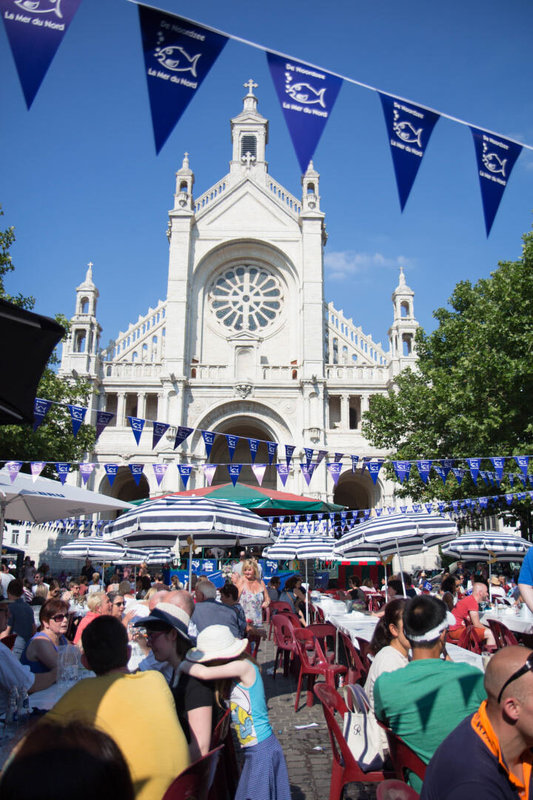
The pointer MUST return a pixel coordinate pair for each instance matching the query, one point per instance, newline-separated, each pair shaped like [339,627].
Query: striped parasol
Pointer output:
[94,547]
[398,534]
[488,545]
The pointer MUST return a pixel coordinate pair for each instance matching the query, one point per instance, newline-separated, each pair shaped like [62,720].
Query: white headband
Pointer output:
[434,633]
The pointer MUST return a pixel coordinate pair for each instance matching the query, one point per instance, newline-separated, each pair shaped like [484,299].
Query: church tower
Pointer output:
[403,329]
[80,351]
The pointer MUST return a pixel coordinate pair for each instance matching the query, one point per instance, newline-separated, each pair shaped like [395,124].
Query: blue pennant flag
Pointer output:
[40,410]
[409,127]
[496,158]
[403,509]
[459,474]
[232,444]
[86,471]
[77,415]
[159,430]
[355,461]
[62,469]
[483,502]
[509,498]
[374,468]
[283,472]
[159,472]
[103,418]
[320,455]
[137,425]
[35,31]
[441,472]
[309,455]
[455,505]
[307,96]
[338,457]
[484,476]
[209,438]
[498,462]
[111,472]
[442,507]
[334,469]
[379,512]
[402,470]
[234,472]
[137,471]
[289,450]
[473,465]
[510,478]
[254,446]
[424,468]
[429,507]
[185,473]
[177,57]
[523,463]
[447,465]
[272,449]
[181,435]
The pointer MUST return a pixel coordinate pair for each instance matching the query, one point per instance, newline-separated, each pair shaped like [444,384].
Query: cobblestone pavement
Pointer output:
[307,751]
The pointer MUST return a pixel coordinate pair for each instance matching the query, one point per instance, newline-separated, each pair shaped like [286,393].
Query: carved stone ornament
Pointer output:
[243,389]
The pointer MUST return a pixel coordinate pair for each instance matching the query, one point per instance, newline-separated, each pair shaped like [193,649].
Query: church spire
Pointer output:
[184,182]
[249,133]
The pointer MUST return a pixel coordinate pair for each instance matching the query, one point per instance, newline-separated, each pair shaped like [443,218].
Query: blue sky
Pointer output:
[80,181]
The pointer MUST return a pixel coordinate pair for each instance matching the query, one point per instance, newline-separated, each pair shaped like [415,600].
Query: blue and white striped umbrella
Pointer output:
[161,522]
[94,547]
[398,534]
[150,556]
[297,542]
[485,545]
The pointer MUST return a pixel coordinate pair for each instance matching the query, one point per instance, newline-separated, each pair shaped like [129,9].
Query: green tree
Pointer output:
[471,392]
[53,440]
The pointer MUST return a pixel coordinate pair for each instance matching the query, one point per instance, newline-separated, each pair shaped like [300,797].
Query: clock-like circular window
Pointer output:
[246,298]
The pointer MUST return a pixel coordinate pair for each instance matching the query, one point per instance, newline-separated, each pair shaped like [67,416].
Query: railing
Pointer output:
[284,197]
[129,370]
[356,374]
[211,194]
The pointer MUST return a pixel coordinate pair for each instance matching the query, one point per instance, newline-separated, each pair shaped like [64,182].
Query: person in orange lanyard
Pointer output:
[489,754]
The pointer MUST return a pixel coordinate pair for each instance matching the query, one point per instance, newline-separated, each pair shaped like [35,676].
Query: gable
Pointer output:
[248,208]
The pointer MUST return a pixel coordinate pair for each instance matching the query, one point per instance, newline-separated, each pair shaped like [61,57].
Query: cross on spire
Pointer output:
[250,85]
[248,159]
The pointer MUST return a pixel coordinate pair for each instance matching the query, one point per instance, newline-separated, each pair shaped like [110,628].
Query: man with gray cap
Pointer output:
[425,700]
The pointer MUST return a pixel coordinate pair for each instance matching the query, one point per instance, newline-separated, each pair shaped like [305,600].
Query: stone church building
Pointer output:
[244,342]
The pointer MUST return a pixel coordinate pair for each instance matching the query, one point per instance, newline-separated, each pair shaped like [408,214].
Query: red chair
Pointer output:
[319,614]
[468,640]
[375,602]
[364,650]
[227,772]
[344,768]
[356,669]
[195,782]
[278,608]
[326,633]
[285,642]
[313,662]
[395,790]
[404,759]
[502,635]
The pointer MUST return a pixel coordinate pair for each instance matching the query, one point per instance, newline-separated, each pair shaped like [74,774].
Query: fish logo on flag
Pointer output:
[283,472]
[111,472]
[159,430]
[103,418]
[232,444]
[62,469]
[137,425]
[424,468]
[77,415]
[523,463]
[35,29]
[40,410]
[334,468]
[474,465]
[374,468]
[182,434]
[159,472]
[409,127]
[307,96]
[234,472]
[289,450]
[402,470]
[209,438]
[178,55]
[496,158]
[137,471]
[13,468]
[355,461]
[272,448]
[185,473]
[86,471]
[253,445]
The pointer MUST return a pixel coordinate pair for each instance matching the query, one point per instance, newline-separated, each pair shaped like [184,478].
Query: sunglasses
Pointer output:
[518,674]
[118,603]
[59,617]
[153,633]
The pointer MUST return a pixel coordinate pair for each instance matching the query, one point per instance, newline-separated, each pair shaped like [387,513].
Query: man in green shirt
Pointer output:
[425,700]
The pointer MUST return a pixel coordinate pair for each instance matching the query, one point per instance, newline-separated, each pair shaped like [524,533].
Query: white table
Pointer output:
[518,623]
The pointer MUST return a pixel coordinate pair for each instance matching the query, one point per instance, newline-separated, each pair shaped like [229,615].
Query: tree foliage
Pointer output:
[471,392]
[53,440]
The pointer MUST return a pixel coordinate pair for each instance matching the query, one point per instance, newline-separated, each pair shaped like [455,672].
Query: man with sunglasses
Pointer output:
[489,754]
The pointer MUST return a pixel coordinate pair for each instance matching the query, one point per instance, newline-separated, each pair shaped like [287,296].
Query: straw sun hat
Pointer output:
[214,642]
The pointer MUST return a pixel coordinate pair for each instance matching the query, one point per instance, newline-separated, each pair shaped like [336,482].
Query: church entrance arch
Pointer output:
[244,428]
[356,490]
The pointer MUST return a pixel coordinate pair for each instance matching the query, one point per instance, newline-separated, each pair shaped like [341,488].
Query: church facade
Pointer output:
[243,344]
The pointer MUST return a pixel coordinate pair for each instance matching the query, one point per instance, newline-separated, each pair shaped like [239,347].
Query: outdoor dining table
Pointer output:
[520,621]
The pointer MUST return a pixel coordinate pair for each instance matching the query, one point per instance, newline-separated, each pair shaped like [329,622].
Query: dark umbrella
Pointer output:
[28,340]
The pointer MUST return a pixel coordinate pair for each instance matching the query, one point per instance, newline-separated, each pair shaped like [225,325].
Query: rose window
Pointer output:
[246,298]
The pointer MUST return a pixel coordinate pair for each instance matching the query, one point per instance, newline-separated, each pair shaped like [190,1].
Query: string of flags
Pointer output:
[179,53]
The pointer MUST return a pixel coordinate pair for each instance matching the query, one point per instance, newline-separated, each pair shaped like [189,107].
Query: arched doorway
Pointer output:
[356,490]
[245,429]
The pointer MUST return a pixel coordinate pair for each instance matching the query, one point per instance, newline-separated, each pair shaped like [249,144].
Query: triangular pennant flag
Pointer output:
[232,444]
[510,478]
[77,415]
[473,465]
[441,472]
[307,96]
[86,472]
[424,468]
[209,438]
[459,473]
[509,498]
[254,446]
[379,512]
[307,472]
[483,502]
[498,462]
[417,507]
[334,469]
[159,430]
[111,472]
[234,472]
[355,461]
[40,410]
[62,469]
[409,127]
[523,463]
[447,466]
[402,470]
[209,472]
[374,468]
[159,472]
[103,418]
[137,425]
[429,507]
[338,457]
[283,472]
[496,158]
[272,449]
[35,31]
[182,434]
[289,450]
[308,455]
[321,454]
[36,468]
[185,473]
[259,472]
[13,469]
[137,471]
[177,56]
[403,509]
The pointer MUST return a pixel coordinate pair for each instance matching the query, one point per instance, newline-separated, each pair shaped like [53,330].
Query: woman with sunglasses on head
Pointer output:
[40,654]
